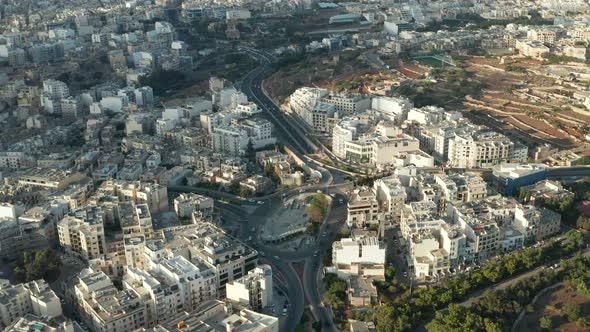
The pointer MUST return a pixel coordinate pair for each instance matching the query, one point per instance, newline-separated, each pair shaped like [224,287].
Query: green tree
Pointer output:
[545,323]
[250,151]
[389,273]
[318,207]
[572,311]
[41,264]
[575,238]
[384,318]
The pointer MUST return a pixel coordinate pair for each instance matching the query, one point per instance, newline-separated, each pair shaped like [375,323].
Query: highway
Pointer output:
[251,85]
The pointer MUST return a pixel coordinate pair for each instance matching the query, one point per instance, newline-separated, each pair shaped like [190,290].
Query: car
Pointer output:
[273,310]
[301,191]
[249,238]
[260,202]
[319,191]
[253,229]
[251,200]
[341,201]
[262,253]
[284,314]
[275,257]
[405,274]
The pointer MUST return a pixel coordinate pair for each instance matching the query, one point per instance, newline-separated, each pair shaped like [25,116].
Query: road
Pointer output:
[251,85]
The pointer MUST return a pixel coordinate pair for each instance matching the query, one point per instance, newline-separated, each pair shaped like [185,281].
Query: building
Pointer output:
[35,297]
[509,178]
[32,322]
[536,224]
[545,191]
[363,209]
[104,308]
[256,184]
[218,316]
[348,103]
[391,196]
[483,148]
[186,204]
[49,178]
[361,254]
[309,105]
[82,231]
[230,258]
[428,258]
[254,289]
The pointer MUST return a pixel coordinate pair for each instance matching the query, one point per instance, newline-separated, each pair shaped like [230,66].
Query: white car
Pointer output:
[260,202]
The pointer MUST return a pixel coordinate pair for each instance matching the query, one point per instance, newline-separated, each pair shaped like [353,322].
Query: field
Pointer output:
[338,71]
[552,305]
[521,97]
[528,101]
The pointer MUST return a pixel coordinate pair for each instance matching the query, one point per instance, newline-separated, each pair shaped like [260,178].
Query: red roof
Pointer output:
[584,208]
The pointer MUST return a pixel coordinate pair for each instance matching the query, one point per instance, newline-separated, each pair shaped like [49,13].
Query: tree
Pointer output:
[318,207]
[389,273]
[545,323]
[41,264]
[384,318]
[575,238]
[250,151]
[583,222]
[572,311]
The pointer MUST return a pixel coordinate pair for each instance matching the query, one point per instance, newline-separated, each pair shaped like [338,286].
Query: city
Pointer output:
[294,165]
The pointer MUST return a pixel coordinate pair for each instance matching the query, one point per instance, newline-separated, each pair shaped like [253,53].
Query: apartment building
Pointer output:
[344,130]
[104,308]
[309,105]
[254,289]
[152,194]
[536,224]
[361,254]
[185,204]
[484,148]
[363,209]
[218,316]
[82,231]
[464,187]
[230,258]
[428,258]
[348,103]
[35,297]
[15,160]
[391,195]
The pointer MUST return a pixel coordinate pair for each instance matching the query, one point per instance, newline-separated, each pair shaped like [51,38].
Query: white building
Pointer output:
[82,231]
[254,289]
[35,297]
[104,308]
[484,148]
[186,204]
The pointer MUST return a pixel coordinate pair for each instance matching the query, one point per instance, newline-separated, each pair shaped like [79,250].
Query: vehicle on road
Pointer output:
[260,202]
